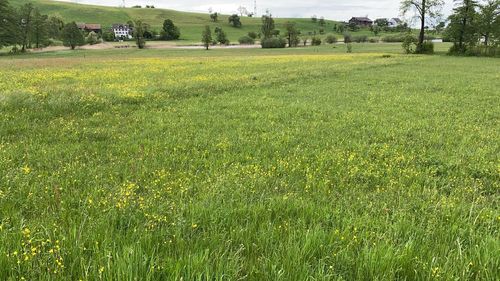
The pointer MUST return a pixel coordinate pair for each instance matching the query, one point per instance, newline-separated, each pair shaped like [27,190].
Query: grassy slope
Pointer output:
[193,165]
[191,24]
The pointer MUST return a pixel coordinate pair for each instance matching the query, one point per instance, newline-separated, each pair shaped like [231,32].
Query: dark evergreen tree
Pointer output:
[39,30]
[8,26]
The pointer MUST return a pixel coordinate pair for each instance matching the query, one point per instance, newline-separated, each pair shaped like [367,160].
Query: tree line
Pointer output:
[25,27]
[474,28]
[472,24]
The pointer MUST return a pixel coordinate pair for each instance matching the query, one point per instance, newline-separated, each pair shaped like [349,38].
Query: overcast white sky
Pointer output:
[330,9]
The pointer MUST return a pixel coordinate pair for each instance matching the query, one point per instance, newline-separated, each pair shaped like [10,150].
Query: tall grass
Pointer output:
[278,166]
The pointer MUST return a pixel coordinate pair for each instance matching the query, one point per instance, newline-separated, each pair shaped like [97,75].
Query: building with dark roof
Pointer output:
[361,21]
[88,27]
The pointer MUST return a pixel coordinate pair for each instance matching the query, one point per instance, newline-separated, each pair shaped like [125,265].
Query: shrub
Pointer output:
[273,42]
[427,48]
[331,39]
[108,36]
[409,43]
[316,41]
[246,40]
[253,35]
[484,51]
[373,40]
[15,50]
[476,51]
[294,41]
[347,38]
[349,48]
[360,39]
[92,38]
[397,38]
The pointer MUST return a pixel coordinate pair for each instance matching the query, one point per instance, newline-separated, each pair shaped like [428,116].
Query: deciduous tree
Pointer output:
[268,26]
[425,10]
[488,21]
[243,11]
[292,34]
[72,36]
[55,26]
[25,25]
[214,16]
[220,36]
[139,30]
[206,37]
[170,31]
[235,20]
[382,23]
[463,26]
[322,21]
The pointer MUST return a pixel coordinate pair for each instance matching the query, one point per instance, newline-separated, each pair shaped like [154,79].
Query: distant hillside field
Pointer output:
[191,24]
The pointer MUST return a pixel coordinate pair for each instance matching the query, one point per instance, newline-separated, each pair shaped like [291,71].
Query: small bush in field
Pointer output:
[349,48]
[246,40]
[409,44]
[252,35]
[360,39]
[331,39]
[274,42]
[427,48]
[316,41]
[347,38]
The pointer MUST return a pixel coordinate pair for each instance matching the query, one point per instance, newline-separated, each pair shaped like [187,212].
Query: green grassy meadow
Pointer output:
[293,164]
[190,24]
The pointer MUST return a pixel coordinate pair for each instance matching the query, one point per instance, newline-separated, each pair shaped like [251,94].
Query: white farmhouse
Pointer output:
[122,31]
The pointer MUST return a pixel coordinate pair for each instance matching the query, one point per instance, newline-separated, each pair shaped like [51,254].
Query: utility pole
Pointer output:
[255,8]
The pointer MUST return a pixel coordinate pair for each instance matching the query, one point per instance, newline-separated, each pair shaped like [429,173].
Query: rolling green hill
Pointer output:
[191,24]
